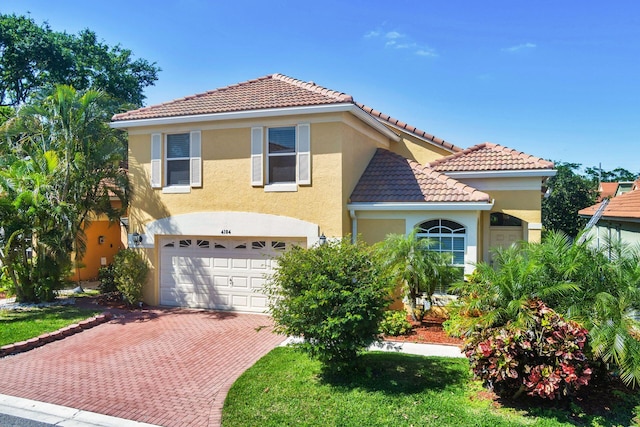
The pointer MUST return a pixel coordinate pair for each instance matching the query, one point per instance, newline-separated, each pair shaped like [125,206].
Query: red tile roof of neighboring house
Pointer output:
[272,91]
[626,205]
[390,177]
[489,157]
[607,189]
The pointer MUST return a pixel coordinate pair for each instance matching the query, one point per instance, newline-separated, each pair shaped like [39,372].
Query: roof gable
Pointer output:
[390,177]
[489,157]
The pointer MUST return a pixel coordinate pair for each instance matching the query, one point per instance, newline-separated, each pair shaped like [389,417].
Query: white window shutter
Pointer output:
[196,158]
[304,154]
[156,160]
[257,148]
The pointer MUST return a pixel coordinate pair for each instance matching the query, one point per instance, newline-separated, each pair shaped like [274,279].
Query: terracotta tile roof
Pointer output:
[390,177]
[626,205]
[410,129]
[607,189]
[272,91]
[489,157]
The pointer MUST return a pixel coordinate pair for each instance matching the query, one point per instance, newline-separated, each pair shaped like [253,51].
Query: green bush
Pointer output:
[129,274]
[395,323]
[107,282]
[333,296]
[546,360]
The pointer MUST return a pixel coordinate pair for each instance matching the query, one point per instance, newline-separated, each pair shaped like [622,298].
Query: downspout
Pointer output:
[354,225]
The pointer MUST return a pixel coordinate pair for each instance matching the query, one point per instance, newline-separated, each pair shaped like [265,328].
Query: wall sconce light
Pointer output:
[100,240]
[322,239]
[137,238]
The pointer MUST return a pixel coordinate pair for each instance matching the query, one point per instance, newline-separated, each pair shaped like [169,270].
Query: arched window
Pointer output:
[449,237]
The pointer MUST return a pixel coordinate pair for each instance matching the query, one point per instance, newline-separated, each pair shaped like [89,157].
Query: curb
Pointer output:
[30,344]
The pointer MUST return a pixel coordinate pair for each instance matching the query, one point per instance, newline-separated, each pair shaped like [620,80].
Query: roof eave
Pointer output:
[261,113]
[420,206]
[502,173]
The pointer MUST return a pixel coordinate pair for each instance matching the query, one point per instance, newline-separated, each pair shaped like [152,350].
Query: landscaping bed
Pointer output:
[429,330]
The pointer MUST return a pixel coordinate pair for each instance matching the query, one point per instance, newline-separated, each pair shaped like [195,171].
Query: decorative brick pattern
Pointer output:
[169,367]
[61,333]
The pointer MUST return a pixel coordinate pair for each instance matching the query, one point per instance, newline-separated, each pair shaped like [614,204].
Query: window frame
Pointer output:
[167,160]
[269,155]
[424,232]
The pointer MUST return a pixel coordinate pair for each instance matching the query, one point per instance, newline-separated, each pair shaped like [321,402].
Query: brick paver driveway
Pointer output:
[159,366]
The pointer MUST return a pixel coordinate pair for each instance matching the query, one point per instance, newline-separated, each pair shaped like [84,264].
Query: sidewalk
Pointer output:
[60,415]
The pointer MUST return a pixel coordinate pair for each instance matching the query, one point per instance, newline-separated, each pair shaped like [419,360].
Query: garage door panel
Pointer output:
[239,282]
[220,275]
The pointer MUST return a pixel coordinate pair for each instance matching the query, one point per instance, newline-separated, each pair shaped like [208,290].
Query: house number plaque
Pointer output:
[225,232]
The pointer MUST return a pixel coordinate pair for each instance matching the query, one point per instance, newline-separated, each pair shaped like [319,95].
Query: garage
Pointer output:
[217,273]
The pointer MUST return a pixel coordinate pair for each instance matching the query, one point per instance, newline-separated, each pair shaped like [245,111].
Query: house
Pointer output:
[612,189]
[225,180]
[617,221]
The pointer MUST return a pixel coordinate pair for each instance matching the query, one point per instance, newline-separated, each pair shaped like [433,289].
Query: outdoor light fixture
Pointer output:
[322,239]
[137,238]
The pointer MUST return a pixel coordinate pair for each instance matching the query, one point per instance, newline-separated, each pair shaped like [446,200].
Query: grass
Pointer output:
[20,325]
[287,388]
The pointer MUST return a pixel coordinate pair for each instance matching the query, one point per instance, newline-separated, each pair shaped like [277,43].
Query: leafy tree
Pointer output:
[411,263]
[570,192]
[61,158]
[33,57]
[616,175]
[332,296]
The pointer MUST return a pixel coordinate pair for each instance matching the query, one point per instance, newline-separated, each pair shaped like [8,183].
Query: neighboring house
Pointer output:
[619,220]
[226,179]
[611,189]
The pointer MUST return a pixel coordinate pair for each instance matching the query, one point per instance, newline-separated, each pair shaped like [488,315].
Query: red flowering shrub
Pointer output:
[545,360]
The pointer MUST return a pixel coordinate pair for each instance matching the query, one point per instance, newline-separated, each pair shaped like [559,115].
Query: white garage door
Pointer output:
[205,272]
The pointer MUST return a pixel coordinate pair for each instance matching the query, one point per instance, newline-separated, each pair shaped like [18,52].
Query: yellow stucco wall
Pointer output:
[418,150]
[110,245]
[375,230]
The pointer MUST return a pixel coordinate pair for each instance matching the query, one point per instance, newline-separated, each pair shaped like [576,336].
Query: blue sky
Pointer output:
[556,79]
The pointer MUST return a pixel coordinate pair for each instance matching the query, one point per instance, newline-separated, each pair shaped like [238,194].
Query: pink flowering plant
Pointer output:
[546,359]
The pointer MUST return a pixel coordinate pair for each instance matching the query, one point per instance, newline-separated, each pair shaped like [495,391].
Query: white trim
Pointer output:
[461,206]
[255,114]
[280,187]
[534,226]
[233,224]
[502,174]
[176,189]
[533,183]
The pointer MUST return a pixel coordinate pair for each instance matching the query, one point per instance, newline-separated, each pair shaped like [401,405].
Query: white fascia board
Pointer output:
[617,218]
[257,114]
[502,174]
[427,206]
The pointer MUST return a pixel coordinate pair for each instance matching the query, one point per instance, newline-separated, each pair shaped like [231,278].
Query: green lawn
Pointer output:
[286,388]
[20,325]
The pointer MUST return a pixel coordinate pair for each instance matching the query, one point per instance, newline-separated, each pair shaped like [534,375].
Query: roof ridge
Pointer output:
[313,87]
[402,125]
[517,153]
[460,153]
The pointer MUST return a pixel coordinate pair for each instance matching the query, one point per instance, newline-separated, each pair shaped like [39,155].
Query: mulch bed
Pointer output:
[429,331]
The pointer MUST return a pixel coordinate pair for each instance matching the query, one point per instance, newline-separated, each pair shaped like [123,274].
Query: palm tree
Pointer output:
[413,264]
[68,132]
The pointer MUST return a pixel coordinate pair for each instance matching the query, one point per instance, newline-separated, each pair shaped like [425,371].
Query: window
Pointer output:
[182,165]
[178,167]
[281,157]
[286,155]
[449,237]
[499,219]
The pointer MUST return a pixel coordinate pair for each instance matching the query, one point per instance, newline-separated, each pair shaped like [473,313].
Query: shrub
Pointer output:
[395,323]
[333,296]
[545,360]
[129,274]
[107,282]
